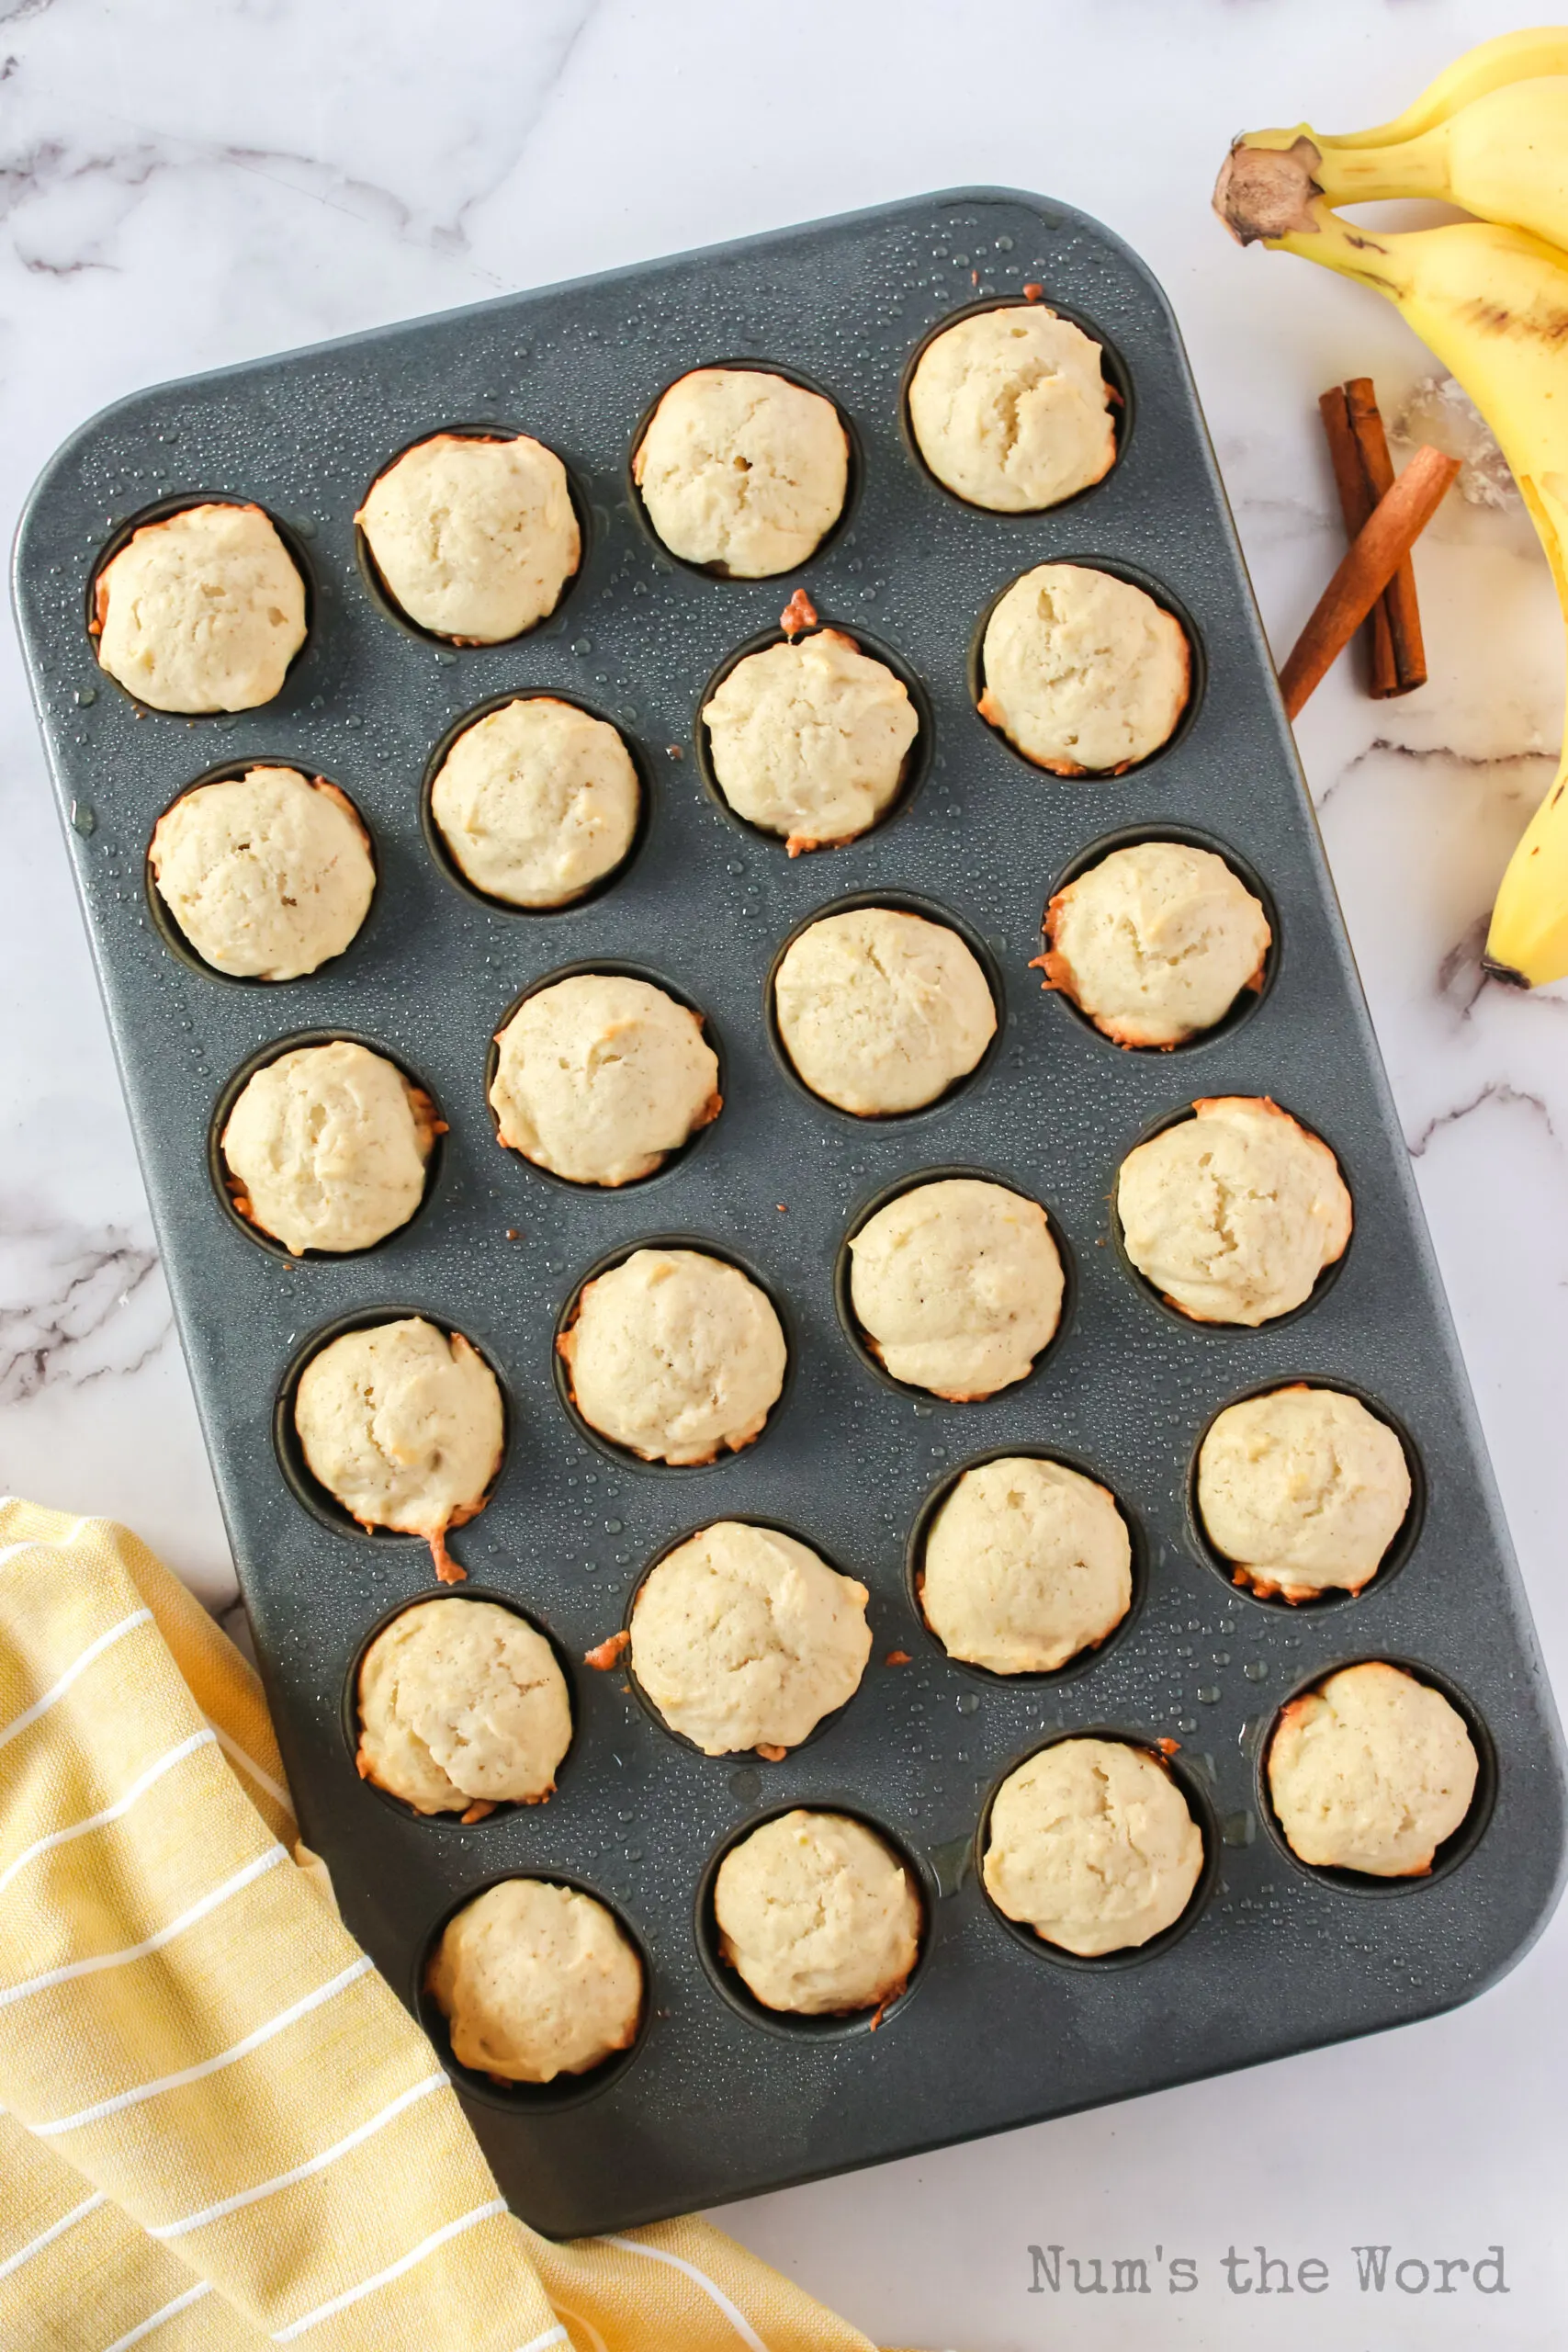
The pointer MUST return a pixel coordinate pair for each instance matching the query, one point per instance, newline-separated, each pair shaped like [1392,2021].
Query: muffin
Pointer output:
[957,1286]
[537,802]
[1008,409]
[600,1078]
[1155,943]
[743,471]
[535,1981]
[1232,1215]
[674,1355]
[1026,1564]
[743,1637]
[1084,673]
[881,1012]
[462,1707]
[817,1914]
[810,739]
[474,539]
[404,1427]
[326,1147]
[201,612]
[1302,1489]
[268,874]
[1090,1843]
[1370,1773]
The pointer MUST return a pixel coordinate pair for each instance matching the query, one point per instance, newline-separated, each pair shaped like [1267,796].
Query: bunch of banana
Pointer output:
[1490,296]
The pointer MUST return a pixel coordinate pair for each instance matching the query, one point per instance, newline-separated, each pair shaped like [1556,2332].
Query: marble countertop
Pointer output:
[186,186]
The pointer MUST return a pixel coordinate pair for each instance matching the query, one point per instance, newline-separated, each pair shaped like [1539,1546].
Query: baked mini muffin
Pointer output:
[957,1286]
[743,470]
[1155,943]
[404,1427]
[326,1147]
[1009,410]
[743,1637]
[1302,1489]
[600,1077]
[1091,1844]
[810,739]
[1026,1564]
[535,1981]
[1085,674]
[474,539]
[537,802]
[1371,1772]
[881,1012]
[1232,1215]
[674,1355]
[268,874]
[462,1707]
[201,612]
[817,1914]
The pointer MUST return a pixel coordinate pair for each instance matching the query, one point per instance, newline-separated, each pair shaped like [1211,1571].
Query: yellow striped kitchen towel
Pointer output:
[221,2127]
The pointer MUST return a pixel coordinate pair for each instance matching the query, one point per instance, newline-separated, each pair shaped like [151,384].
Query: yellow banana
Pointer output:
[1491,302]
[1503,156]
[1513,57]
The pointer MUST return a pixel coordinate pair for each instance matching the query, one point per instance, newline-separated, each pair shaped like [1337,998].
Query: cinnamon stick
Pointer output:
[1398,601]
[1375,554]
[1355,505]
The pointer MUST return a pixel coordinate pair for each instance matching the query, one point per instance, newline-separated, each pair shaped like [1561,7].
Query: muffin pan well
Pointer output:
[997,2036]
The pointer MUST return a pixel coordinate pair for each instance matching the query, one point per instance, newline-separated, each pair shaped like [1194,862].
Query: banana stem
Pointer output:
[1274,196]
[1365,174]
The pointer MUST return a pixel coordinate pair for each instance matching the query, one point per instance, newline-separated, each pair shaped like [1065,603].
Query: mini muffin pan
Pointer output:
[995,2030]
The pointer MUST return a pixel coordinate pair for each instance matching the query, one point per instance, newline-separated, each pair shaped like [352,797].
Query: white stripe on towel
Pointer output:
[278,2024]
[112,1811]
[181,2303]
[209,1902]
[394,2270]
[237,1755]
[57,1690]
[36,1543]
[55,2230]
[356,2139]
[737,2320]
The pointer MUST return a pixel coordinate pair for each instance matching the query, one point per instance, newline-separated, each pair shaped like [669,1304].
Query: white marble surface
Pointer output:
[188,182]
